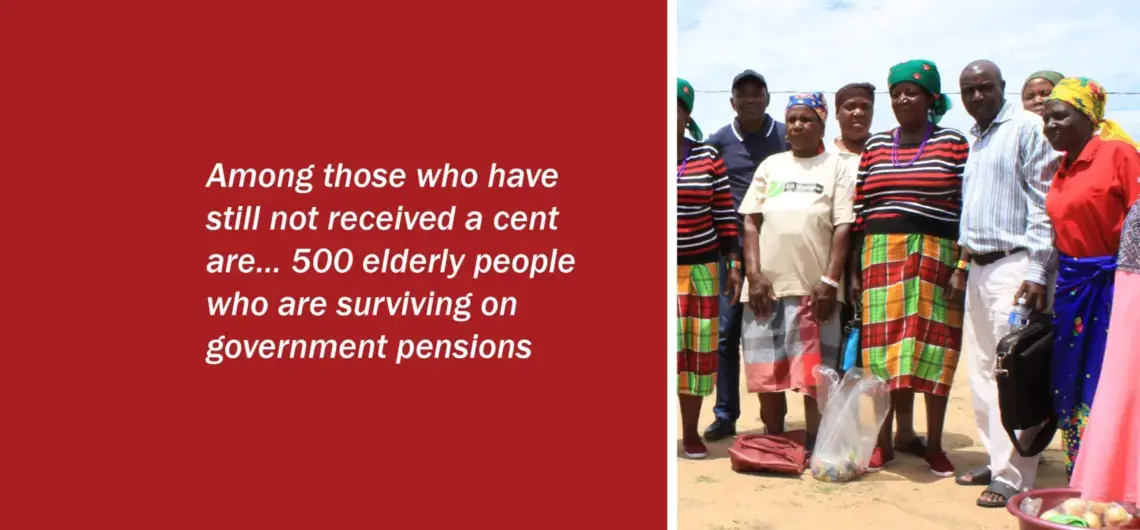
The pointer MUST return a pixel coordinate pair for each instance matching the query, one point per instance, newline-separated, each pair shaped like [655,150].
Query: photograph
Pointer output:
[908,264]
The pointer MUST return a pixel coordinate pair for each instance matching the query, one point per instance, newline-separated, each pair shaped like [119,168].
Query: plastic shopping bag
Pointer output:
[853,411]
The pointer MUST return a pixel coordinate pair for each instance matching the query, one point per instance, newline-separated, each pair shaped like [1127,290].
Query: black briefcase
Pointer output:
[1024,382]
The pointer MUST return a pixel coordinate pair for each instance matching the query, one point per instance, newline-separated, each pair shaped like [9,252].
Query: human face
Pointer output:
[1066,128]
[805,129]
[854,116]
[982,95]
[911,104]
[682,120]
[750,100]
[1033,98]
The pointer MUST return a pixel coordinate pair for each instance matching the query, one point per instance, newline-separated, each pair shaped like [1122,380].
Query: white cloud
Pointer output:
[821,45]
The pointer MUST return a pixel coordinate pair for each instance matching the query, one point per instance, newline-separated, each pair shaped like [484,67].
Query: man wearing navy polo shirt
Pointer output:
[743,144]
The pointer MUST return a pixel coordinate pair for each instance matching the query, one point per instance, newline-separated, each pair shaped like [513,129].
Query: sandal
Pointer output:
[916,447]
[978,477]
[999,490]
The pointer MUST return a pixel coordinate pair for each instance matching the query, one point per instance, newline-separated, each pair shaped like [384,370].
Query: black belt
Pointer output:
[991,257]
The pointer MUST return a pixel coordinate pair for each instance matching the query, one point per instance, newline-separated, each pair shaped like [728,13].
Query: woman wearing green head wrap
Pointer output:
[706,233]
[906,79]
[1036,90]
[908,201]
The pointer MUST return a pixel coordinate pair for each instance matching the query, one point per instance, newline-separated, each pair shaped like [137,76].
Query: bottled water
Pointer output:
[1019,316]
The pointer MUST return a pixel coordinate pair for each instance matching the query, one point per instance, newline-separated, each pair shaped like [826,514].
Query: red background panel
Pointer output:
[118,113]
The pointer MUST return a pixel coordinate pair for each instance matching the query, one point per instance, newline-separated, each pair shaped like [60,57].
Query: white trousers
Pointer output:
[990,291]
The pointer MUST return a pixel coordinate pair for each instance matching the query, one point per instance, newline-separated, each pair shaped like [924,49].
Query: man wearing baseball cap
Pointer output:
[743,144]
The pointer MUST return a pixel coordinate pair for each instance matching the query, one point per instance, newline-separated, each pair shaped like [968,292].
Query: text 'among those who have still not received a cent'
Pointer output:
[391,337]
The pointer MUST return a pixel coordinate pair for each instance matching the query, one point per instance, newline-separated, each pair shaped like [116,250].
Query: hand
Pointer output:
[823,300]
[760,295]
[956,287]
[733,285]
[855,289]
[1034,294]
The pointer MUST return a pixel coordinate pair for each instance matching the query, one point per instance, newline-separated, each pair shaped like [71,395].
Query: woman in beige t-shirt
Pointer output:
[798,213]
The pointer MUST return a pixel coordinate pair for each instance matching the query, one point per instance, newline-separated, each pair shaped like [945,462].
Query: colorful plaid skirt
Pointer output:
[698,305]
[911,335]
[782,351]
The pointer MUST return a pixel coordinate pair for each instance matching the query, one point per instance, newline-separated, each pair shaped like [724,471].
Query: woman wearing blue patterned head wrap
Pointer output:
[797,216]
[814,101]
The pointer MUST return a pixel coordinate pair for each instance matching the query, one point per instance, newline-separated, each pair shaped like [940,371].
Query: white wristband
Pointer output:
[829,281]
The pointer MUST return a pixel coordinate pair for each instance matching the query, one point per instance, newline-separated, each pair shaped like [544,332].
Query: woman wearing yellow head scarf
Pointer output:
[1089,98]
[1089,198]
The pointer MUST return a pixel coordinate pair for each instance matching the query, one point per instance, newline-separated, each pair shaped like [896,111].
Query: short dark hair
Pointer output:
[855,89]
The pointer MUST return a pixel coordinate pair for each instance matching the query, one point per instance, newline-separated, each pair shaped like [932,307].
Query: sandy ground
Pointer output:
[905,495]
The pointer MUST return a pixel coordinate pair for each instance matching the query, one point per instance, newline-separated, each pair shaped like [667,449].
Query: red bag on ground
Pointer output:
[773,453]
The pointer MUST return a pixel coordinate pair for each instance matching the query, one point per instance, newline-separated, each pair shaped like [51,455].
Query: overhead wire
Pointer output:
[887,93]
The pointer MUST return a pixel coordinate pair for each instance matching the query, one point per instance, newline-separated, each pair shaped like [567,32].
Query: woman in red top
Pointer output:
[1097,183]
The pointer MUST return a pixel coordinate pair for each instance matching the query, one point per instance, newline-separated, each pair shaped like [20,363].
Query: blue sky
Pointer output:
[820,45]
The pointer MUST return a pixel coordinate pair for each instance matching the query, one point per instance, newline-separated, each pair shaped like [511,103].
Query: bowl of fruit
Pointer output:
[1061,509]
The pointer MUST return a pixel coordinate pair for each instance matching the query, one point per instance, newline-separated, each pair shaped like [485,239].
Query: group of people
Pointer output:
[926,238]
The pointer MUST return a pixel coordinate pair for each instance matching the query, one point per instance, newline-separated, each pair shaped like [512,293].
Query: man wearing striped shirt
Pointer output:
[1007,246]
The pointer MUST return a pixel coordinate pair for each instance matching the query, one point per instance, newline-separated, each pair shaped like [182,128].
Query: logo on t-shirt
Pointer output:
[776,187]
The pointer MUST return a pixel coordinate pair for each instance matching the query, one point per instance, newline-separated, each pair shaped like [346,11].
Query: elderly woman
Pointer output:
[706,230]
[1037,89]
[1098,181]
[855,104]
[908,197]
[797,217]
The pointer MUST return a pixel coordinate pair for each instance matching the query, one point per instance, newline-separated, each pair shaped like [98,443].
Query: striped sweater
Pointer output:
[706,221]
[925,198]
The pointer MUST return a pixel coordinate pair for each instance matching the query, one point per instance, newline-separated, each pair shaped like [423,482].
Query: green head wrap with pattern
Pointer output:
[687,96]
[924,74]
